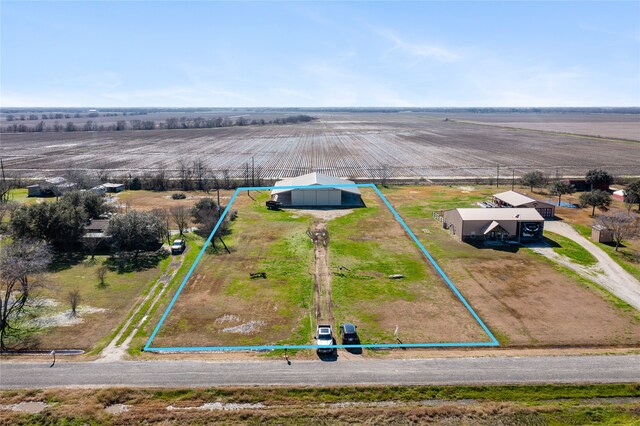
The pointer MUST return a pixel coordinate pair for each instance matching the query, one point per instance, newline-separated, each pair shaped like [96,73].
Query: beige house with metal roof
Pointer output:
[306,193]
[513,199]
[507,224]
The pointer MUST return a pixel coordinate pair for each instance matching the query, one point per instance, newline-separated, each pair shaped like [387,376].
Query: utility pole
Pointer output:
[513,178]
[498,176]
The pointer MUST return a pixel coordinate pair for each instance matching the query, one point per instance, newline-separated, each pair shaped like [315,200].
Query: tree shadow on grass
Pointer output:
[65,260]
[128,262]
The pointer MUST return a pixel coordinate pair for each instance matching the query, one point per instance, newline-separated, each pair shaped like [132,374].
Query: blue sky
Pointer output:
[319,54]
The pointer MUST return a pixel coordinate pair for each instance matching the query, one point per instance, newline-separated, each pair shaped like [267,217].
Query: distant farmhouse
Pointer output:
[513,199]
[310,196]
[50,187]
[507,224]
[108,187]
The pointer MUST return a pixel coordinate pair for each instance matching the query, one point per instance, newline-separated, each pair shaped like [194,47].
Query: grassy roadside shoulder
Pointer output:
[514,404]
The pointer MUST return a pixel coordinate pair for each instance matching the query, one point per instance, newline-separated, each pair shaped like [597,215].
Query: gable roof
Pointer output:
[500,214]
[315,178]
[490,227]
[514,198]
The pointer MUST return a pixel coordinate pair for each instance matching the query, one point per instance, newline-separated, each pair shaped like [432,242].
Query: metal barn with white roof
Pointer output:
[307,195]
[513,199]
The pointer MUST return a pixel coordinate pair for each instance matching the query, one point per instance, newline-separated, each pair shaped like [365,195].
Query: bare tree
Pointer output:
[185,175]
[74,298]
[226,177]
[180,215]
[622,226]
[200,173]
[164,215]
[21,261]
[101,274]
[384,174]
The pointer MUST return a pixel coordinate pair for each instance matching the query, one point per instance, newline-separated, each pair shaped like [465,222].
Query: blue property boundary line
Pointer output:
[493,342]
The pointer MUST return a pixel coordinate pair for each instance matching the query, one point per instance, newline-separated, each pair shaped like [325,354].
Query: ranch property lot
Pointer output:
[222,306]
[525,300]
[362,145]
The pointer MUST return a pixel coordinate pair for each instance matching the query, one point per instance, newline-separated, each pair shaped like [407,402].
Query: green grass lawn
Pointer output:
[102,309]
[18,195]
[369,245]
[569,248]
[139,341]
[220,294]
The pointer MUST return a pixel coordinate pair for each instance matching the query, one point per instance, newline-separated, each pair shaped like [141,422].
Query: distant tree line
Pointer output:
[169,123]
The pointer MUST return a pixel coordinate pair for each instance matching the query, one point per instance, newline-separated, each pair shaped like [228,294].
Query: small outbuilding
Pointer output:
[619,194]
[113,187]
[34,190]
[507,224]
[513,199]
[306,194]
[601,234]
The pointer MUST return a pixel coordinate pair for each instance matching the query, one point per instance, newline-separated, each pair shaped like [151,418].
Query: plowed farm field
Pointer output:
[353,145]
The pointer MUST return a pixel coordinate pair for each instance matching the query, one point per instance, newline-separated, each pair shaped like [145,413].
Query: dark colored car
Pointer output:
[349,334]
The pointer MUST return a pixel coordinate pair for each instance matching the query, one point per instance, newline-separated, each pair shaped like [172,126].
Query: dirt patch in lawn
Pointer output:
[539,306]
[322,214]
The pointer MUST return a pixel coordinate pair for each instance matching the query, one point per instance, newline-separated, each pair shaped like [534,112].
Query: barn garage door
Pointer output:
[335,198]
[322,197]
[316,197]
[310,198]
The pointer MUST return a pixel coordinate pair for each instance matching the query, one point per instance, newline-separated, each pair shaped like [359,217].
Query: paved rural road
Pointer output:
[440,371]
[613,277]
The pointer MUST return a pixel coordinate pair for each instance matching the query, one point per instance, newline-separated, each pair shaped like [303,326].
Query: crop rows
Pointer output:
[348,145]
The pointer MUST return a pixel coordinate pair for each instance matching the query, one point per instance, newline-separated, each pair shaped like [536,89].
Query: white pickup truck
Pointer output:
[324,339]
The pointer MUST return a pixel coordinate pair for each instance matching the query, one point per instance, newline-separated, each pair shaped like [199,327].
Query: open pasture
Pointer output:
[357,145]
[222,306]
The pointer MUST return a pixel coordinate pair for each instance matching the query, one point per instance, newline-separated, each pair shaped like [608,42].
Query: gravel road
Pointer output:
[441,371]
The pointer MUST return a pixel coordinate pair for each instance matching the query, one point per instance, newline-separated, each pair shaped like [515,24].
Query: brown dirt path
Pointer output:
[322,275]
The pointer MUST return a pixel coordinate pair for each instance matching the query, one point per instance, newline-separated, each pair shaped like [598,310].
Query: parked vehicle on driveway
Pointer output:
[325,340]
[178,246]
[349,334]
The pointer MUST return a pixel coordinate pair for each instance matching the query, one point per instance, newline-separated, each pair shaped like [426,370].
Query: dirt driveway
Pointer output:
[606,273]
